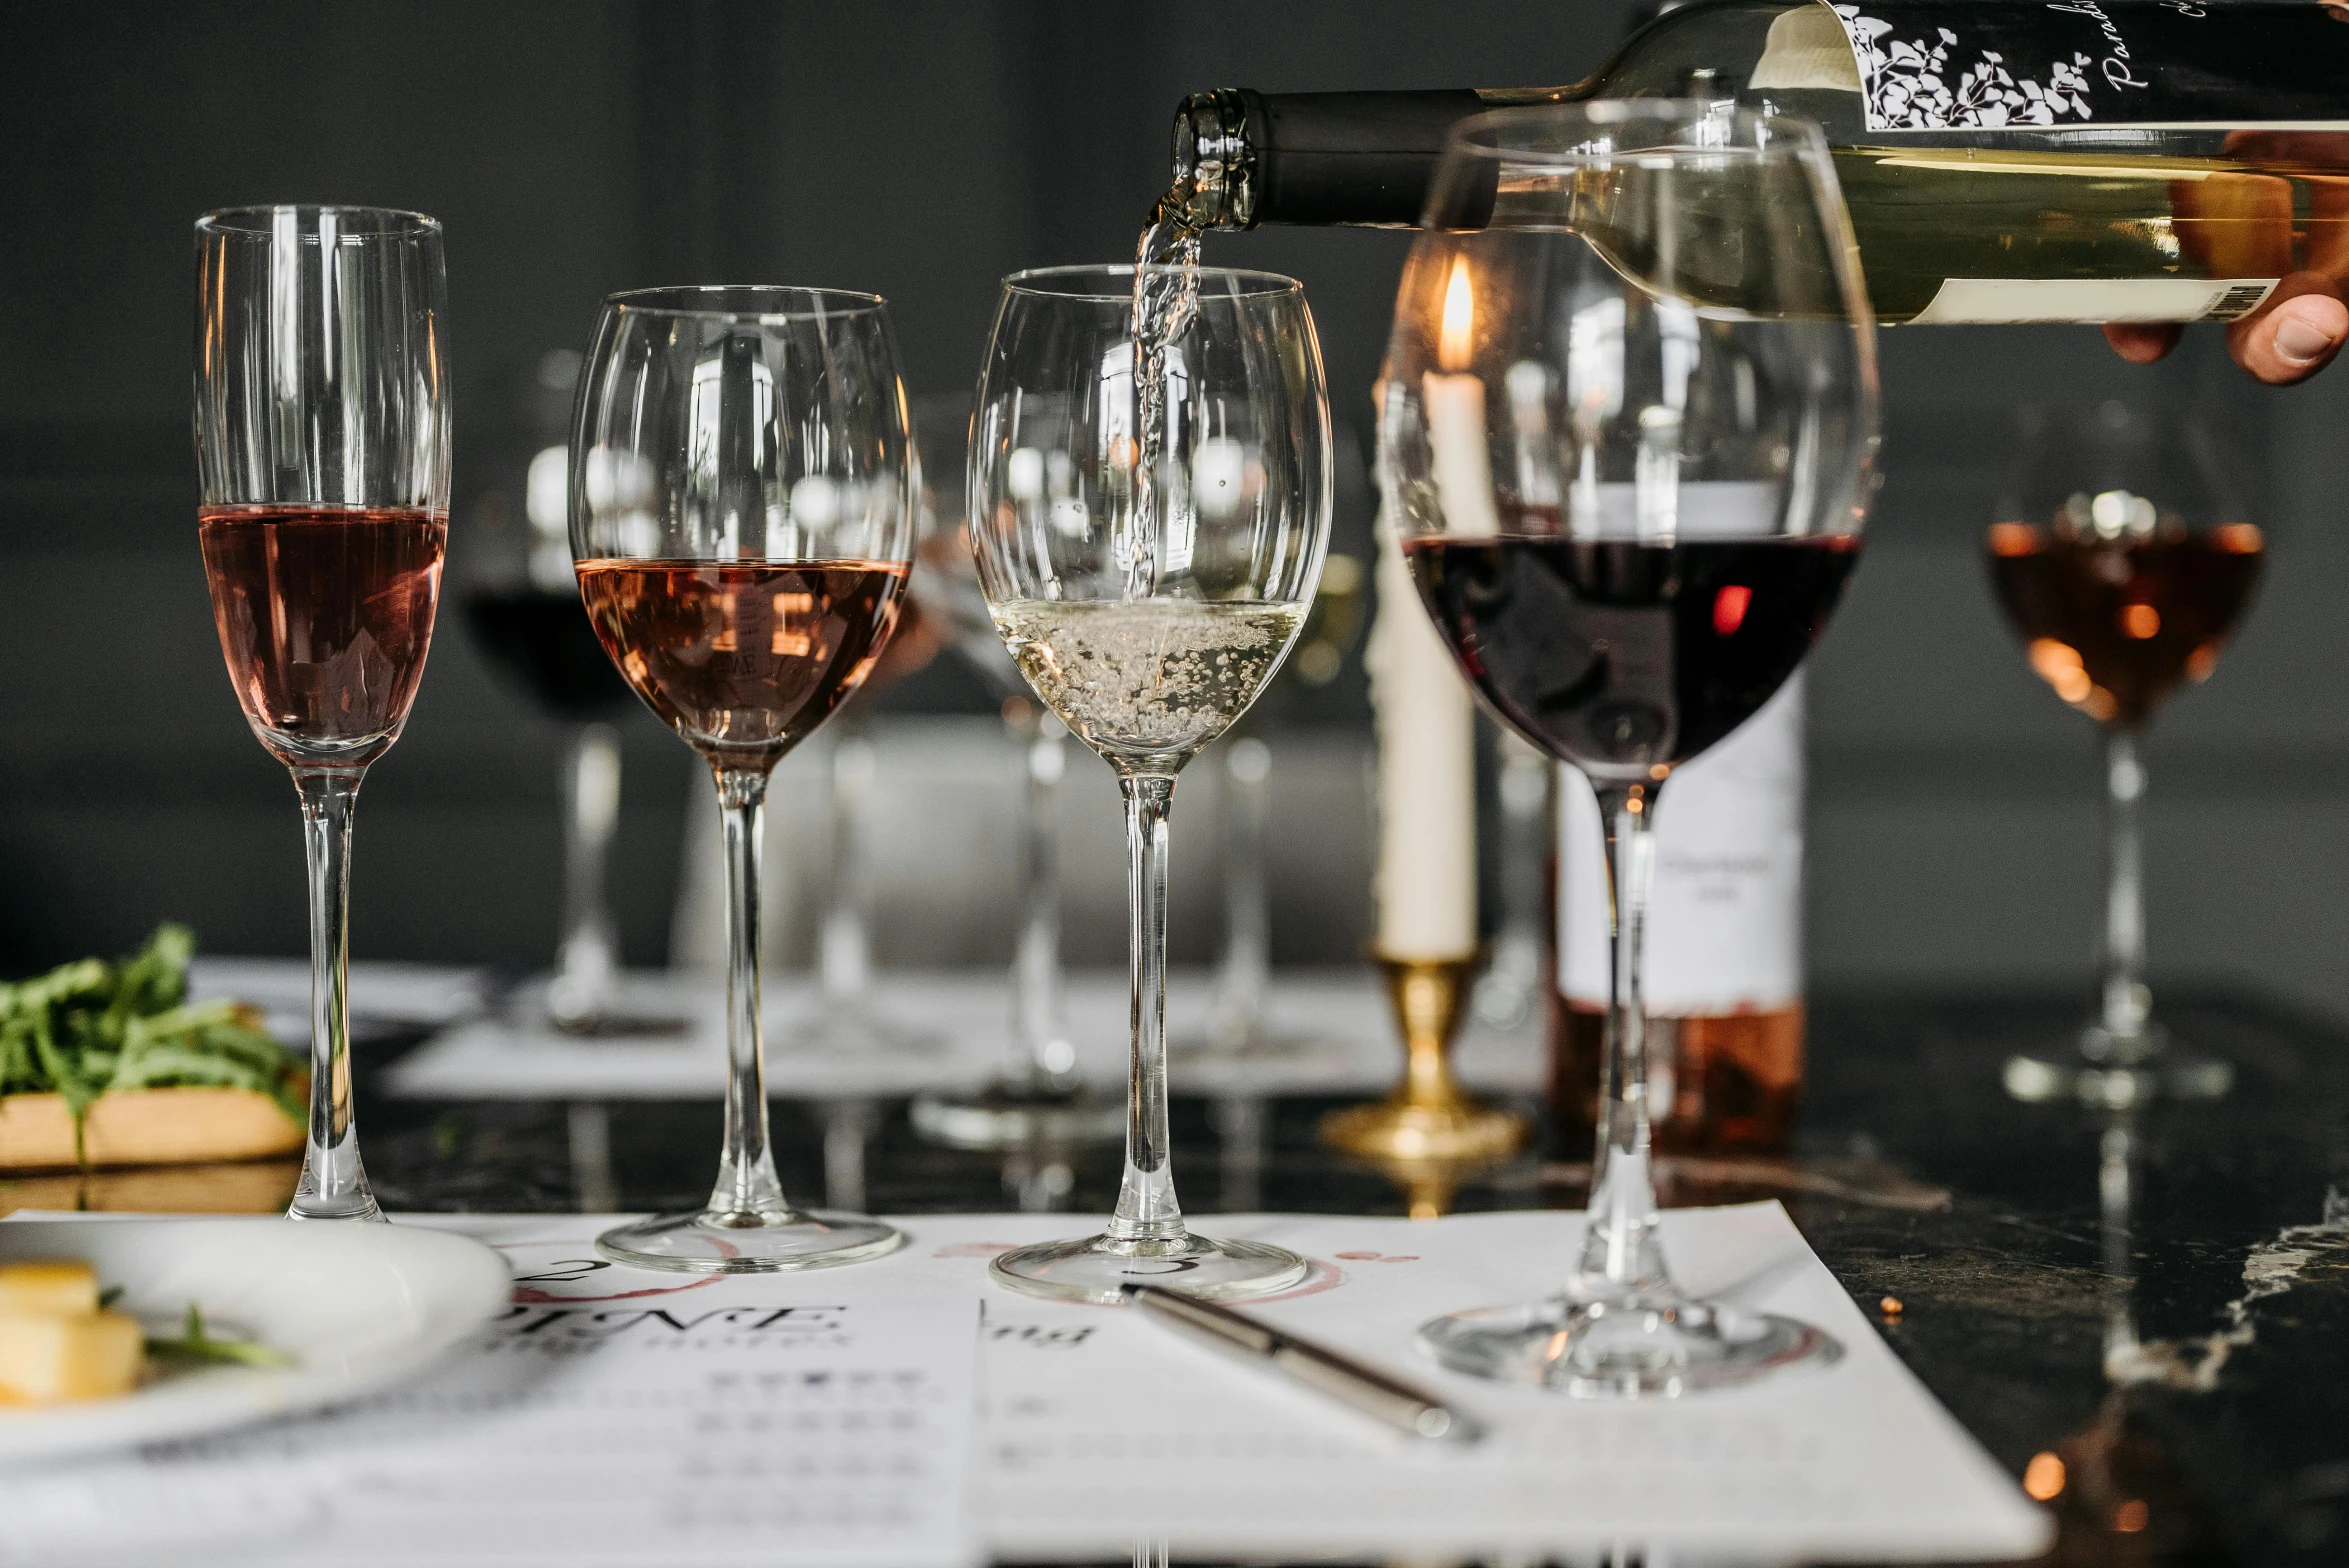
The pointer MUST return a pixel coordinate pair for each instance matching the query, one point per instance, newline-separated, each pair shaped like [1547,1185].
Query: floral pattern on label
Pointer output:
[1933,84]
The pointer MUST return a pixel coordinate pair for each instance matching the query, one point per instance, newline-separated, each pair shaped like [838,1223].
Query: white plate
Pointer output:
[357,1307]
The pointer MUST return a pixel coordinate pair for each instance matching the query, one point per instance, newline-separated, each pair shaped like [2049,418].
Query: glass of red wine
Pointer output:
[1629,414]
[322,451]
[742,524]
[520,599]
[2124,557]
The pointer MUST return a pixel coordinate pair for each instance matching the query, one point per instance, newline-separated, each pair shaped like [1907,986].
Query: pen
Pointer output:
[1344,1379]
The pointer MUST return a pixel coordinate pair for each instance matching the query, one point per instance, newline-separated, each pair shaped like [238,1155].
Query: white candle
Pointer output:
[1460,450]
[1426,879]
[1460,454]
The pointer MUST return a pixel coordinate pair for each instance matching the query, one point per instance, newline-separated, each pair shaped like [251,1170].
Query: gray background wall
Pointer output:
[922,150]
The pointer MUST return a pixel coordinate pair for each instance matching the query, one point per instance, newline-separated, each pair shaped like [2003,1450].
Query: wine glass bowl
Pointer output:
[742,526]
[2124,559]
[2122,556]
[322,454]
[1630,426]
[1150,497]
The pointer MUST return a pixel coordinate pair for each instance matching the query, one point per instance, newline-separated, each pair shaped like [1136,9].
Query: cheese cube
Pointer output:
[45,1358]
[61,1287]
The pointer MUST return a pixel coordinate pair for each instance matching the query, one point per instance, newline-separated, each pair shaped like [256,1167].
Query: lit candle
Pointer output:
[1426,883]
[1459,450]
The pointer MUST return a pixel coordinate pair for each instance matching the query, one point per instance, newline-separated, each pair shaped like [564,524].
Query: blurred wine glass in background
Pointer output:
[1243,973]
[2124,559]
[1036,1100]
[521,603]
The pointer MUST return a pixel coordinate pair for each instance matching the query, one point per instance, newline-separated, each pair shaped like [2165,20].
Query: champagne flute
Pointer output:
[322,451]
[741,523]
[2124,559]
[1149,512]
[1629,577]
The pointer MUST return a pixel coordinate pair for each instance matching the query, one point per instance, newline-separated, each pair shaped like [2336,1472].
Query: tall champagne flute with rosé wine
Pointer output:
[322,451]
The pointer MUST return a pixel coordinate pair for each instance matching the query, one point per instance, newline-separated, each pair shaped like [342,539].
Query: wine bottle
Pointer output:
[2002,160]
[1721,966]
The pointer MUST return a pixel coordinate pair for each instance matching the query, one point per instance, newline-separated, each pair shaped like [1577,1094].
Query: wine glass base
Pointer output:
[1095,1268]
[361,1207]
[1004,1116]
[708,1242]
[1207,1050]
[1653,1347]
[830,1033]
[619,1025]
[2116,1085]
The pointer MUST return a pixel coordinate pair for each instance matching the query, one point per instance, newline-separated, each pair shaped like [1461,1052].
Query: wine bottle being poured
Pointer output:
[2003,160]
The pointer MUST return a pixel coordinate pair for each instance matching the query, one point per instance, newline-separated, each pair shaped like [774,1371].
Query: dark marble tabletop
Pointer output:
[2146,1318]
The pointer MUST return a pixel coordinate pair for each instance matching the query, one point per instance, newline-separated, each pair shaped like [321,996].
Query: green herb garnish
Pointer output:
[194,1344]
[89,1027]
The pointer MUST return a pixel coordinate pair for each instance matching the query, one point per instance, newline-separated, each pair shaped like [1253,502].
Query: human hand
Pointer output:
[2241,225]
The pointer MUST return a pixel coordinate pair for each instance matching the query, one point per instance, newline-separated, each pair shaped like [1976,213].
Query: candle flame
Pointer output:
[1456,339]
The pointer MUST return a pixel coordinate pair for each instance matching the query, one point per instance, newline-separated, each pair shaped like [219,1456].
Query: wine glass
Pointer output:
[2124,560]
[741,523]
[521,603]
[1036,1100]
[1630,419]
[1149,511]
[322,451]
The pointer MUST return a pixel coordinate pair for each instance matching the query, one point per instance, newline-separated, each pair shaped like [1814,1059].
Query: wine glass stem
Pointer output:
[747,1183]
[1620,1251]
[591,795]
[845,958]
[334,1183]
[2127,1003]
[1146,1206]
[1043,1058]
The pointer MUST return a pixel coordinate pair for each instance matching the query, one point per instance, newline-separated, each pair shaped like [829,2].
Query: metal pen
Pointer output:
[1341,1377]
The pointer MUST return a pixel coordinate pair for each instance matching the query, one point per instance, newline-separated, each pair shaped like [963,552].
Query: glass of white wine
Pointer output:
[1149,506]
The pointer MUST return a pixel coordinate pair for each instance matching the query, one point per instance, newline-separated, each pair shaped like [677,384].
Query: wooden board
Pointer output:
[146,1127]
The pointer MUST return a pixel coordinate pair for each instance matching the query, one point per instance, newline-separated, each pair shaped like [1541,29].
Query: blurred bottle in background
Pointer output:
[1722,965]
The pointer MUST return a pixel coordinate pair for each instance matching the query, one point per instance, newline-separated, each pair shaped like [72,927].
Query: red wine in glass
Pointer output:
[325,616]
[1629,658]
[2116,626]
[542,641]
[743,658]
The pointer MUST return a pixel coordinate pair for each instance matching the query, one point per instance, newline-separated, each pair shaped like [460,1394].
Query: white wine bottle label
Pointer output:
[2012,301]
[1724,926]
[1946,65]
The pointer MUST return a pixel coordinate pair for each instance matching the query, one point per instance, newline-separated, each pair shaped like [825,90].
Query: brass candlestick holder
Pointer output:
[1427,1118]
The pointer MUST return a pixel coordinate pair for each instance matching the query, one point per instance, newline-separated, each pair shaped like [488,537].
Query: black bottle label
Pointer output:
[1935,65]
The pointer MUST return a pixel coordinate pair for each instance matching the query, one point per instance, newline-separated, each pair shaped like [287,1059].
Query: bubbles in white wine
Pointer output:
[1148,682]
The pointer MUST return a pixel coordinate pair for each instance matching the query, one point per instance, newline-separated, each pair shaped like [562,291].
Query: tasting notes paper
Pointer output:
[612,1417]
[1098,1429]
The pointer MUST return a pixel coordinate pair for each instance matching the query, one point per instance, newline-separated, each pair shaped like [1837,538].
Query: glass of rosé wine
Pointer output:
[322,449]
[742,520]
[2125,557]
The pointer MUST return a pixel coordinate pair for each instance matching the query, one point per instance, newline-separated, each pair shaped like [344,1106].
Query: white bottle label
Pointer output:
[1724,931]
[2019,300]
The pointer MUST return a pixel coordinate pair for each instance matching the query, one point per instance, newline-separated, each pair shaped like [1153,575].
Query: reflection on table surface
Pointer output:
[2010,1254]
